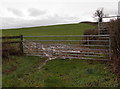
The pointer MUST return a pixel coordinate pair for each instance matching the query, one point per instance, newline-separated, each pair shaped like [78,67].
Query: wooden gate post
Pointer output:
[21,44]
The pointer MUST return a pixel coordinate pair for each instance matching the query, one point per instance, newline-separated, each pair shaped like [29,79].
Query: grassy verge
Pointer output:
[19,71]
[24,72]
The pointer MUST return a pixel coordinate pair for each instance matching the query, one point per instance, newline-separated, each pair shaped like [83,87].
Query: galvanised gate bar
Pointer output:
[91,47]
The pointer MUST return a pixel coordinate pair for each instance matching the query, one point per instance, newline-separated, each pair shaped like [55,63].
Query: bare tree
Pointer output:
[99,14]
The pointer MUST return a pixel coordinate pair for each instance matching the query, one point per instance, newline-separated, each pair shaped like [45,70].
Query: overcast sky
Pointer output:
[28,13]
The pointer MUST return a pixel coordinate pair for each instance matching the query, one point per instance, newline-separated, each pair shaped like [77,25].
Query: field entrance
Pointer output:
[91,47]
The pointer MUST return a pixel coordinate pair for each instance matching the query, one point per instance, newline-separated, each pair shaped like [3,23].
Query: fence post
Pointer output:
[88,44]
[21,44]
[110,49]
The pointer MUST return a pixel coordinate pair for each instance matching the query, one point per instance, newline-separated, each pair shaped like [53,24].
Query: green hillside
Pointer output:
[67,29]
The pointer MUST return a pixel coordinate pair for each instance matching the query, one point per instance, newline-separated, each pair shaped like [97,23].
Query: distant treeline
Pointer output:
[88,22]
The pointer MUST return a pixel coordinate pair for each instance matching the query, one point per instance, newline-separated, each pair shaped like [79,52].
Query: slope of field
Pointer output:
[67,29]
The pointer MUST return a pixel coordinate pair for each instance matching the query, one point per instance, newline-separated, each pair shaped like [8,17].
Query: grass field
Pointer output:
[67,29]
[24,72]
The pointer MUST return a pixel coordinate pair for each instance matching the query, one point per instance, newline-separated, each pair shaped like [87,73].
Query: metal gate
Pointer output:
[91,47]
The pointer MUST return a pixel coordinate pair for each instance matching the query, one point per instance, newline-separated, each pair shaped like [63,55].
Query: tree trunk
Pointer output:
[100,20]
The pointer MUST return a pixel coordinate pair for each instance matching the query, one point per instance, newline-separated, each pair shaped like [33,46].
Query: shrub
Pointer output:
[10,49]
[115,40]
[90,32]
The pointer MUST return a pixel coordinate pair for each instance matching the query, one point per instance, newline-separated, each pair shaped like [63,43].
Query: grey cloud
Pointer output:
[36,12]
[110,11]
[15,11]
[8,23]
